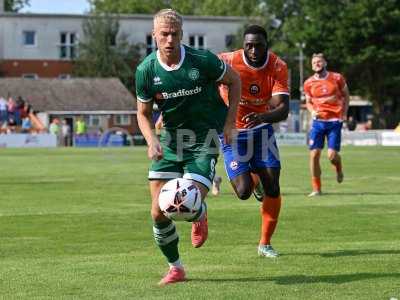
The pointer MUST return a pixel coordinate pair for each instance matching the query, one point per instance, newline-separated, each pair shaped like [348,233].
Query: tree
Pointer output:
[185,7]
[15,5]
[105,52]
[359,38]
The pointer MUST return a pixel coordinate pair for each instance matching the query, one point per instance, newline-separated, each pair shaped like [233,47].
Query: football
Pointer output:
[180,200]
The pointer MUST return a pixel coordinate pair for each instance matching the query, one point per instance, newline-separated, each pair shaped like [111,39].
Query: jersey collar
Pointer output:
[318,78]
[168,68]
[251,67]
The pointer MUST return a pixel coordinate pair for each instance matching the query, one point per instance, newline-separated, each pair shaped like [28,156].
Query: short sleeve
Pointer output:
[141,82]
[215,68]
[306,88]
[280,85]
[341,81]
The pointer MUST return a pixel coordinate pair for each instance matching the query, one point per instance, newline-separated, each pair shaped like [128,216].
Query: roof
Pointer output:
[78,94]
[122,16]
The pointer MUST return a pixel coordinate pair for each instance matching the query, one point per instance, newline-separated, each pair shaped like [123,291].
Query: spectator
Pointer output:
[80,126]
[13,111]
[25,110]
[3,115]
[11,106]
[66,133]
[26,125]
[12,125]
[368,125]
[54,127]
[351,123]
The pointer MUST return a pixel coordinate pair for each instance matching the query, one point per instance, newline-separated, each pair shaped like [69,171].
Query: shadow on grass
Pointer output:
[305,279]
[343,194]
[342,253]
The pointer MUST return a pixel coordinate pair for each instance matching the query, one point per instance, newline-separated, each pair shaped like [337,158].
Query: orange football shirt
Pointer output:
[258,84]
[326,95]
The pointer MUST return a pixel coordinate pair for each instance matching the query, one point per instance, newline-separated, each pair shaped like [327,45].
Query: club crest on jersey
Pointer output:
[254,89]
[233,165]
[194,74]
[157,80]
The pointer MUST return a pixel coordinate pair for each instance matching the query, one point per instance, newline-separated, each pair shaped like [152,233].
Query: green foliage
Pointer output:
[105,51]
[359,39]
[15,5]
[186,7]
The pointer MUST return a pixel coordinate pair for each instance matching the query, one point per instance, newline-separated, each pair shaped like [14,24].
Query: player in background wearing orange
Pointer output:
[253,156]
[327,97]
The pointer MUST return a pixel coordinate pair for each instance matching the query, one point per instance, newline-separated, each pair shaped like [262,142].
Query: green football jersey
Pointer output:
[187,95]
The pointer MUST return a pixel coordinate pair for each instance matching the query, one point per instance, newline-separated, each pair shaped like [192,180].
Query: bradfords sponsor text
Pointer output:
[182,93]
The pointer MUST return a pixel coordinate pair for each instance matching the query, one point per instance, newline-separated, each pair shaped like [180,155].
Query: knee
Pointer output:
[243,192]
[315,155]
[157,215]
[332,156]
[273,190]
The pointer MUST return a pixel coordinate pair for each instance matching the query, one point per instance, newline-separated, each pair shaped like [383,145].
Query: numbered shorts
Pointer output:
[198,166]
[332,130]
[251,150]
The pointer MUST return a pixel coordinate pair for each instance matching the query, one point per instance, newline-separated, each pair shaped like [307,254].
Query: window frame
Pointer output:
[152,46]
[127,122]
[196,39]
[35,44]
[70,45]
[30,76]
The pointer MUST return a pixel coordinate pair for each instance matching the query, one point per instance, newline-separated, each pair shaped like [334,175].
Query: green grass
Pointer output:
[75,224]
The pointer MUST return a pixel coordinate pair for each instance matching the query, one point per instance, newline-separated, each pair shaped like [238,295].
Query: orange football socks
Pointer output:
[269,218]
[316,184]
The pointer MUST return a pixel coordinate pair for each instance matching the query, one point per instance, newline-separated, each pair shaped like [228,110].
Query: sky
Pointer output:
[57,6]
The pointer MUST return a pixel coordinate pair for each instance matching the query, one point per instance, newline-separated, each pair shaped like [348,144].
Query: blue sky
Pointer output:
[57,6]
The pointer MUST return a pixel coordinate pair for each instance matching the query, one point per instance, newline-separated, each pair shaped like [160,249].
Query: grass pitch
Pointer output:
[75,224]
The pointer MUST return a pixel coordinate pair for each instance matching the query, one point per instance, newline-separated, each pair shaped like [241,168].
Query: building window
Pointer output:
[30,76]
[29,38]
[150,44]
[68,45]
[122,119]
[64,76]
[197,41]
[93,121]
[230,40]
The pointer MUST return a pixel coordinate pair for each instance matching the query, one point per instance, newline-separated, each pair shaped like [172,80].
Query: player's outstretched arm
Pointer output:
[232,80]
[144,115]
[279,112]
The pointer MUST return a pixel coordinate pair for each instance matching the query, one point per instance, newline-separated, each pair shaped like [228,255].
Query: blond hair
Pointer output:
[319,55]
[168,15]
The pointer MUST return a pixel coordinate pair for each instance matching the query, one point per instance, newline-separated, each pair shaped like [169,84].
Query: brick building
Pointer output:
[44,46]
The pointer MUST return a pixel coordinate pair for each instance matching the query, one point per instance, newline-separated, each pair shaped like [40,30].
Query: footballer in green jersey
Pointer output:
[183,83]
